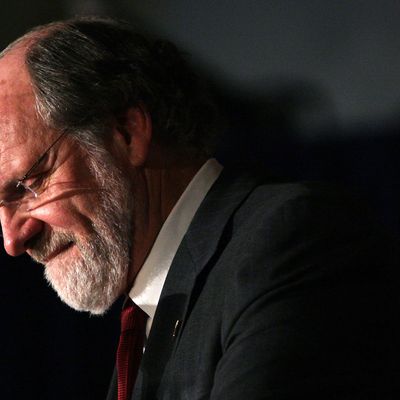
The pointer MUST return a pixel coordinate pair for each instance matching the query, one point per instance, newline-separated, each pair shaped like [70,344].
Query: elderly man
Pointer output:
[242,286]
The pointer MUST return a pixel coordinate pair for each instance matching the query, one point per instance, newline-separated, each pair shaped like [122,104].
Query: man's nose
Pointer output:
[18,228]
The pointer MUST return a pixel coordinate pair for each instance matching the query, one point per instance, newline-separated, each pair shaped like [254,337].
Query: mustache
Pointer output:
[42,247]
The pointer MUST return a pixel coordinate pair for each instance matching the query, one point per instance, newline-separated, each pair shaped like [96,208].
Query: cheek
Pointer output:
[68,216]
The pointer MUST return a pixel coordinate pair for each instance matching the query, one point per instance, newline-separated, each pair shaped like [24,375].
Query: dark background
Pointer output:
[311,92]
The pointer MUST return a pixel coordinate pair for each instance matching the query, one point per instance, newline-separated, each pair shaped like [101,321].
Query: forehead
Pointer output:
[20,126]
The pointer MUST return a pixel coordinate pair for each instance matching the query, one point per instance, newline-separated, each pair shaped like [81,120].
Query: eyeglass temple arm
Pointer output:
[20,181]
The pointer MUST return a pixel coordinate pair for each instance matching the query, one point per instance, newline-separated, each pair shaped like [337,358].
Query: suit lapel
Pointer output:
[197,248]
[206,229]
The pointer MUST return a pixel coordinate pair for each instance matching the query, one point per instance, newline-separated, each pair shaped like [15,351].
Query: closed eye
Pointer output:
[36,182]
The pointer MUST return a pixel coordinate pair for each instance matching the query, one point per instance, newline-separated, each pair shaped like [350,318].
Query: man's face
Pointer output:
[80,225]
[89,270]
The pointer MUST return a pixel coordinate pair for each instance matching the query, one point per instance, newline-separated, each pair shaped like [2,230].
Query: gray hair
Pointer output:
[87,72]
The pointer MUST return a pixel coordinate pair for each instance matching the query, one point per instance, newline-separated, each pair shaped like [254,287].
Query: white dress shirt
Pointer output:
[150,280]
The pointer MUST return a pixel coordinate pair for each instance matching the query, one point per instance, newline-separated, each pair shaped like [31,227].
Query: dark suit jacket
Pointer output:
[283,291]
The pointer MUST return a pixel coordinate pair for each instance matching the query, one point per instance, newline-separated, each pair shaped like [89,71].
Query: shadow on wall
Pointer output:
[292,131]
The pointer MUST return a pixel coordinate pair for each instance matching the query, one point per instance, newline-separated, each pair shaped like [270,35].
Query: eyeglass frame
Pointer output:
[20,181]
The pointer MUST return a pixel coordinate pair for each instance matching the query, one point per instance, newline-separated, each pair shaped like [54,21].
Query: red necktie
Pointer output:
[130,347]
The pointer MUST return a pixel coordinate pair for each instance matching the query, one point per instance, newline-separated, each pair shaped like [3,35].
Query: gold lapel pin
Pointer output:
[176,327]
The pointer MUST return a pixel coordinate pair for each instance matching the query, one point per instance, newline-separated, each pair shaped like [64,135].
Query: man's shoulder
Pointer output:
[270,188]
[306,220]
[310,235]
[298,202]
[250,216]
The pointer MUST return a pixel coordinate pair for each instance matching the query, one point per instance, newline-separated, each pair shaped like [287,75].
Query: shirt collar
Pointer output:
[150,280]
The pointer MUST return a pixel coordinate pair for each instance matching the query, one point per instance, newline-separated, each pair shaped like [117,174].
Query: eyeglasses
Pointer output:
[18,191]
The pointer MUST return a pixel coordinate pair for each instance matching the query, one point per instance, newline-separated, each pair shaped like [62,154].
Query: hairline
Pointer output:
[27,43]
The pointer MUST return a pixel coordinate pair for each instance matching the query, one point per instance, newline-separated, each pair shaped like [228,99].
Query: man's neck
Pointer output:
[156,190]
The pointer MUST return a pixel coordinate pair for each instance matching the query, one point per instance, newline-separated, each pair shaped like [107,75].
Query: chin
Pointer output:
[91,288]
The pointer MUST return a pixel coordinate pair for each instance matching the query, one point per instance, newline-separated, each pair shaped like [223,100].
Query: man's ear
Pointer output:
[134,132]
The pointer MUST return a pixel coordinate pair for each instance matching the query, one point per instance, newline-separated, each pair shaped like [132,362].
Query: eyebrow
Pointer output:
[8,186]
[34,166]
[42,157]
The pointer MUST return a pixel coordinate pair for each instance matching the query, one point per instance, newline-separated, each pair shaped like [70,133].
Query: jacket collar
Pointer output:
[197,248]
[208,225]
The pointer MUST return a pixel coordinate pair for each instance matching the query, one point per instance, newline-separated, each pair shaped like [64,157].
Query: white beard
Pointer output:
[95,278]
